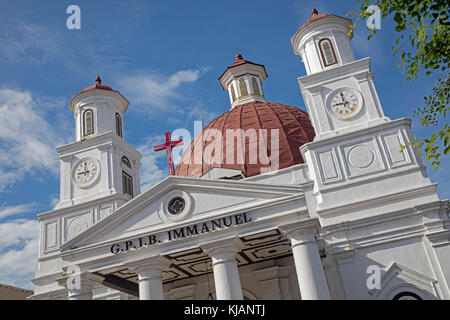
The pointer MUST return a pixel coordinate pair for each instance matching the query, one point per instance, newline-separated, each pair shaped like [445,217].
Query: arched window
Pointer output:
[255,86]
[127,183]
[126,162]
[243,87]
[118,125]
[88,122]
[233,94]
[327,51]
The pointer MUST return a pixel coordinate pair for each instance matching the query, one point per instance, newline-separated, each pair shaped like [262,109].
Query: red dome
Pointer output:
[294,130]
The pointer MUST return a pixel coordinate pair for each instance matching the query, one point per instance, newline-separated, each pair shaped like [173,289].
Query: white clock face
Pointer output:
[345,103]
[86,172]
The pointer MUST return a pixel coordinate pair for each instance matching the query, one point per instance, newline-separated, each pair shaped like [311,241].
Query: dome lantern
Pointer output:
[243,81]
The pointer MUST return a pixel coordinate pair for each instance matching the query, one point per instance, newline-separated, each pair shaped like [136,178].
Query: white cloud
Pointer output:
[19,246]
[27,140]
[16,210]
[16,231]
[156,93]
[151,173]
[18,265]
[28,43]
[198,113]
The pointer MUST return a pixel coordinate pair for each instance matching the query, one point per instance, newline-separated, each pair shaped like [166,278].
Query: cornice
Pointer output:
[391,124]
[334,74]
[98,141]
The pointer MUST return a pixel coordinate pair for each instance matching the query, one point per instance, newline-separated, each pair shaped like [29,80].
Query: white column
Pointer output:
[79,285]
[310,274]
[226,273]
[150,277]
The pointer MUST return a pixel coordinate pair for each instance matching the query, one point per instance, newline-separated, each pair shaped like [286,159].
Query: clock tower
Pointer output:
[356,145]
[99,172]
[339,91]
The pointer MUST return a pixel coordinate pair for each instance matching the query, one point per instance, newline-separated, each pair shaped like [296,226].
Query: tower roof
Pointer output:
[98,85]
[316,16]
[239,61]
[87,91]
[319,22]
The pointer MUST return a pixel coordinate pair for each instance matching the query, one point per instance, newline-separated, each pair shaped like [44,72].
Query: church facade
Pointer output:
[267,202]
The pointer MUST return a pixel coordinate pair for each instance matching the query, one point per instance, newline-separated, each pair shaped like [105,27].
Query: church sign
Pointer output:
[183,232]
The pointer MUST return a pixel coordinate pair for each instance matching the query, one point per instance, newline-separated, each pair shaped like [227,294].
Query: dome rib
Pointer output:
[284,132]
[260,125]
[303,132]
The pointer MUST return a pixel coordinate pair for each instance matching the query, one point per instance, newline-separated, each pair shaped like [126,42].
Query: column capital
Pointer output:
[227,245]
[157,262]
[105,147]
[66,158]
[309,227]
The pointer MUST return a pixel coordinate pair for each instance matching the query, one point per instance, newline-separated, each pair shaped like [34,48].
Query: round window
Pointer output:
[176,205]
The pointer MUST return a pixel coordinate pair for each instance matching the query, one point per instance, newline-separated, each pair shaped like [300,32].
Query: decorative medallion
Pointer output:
[360,157]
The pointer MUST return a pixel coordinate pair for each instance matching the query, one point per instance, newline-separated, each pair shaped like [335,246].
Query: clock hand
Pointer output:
[345,102]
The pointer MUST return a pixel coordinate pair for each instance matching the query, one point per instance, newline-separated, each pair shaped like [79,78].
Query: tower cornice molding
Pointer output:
[97,95]
[104,140]
[340,72]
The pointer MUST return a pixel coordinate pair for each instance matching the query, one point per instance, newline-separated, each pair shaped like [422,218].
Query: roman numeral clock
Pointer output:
[344,103]
[86,172]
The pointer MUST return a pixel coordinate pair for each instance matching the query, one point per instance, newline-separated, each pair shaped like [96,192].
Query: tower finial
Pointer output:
[98,80]
[239,57]
[314,12]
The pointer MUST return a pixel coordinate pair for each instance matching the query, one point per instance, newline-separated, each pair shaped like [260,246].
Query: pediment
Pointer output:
[400,279]
[204,199]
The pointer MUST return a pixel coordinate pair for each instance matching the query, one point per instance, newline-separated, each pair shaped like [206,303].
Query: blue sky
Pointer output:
[165,57]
